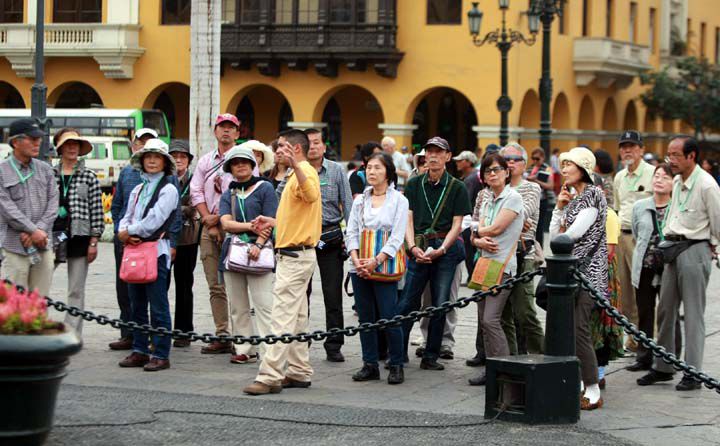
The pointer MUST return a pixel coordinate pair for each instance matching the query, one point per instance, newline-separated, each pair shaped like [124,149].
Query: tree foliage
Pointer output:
[689,90]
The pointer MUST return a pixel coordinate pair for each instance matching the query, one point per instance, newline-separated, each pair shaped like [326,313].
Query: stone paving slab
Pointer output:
[656,415]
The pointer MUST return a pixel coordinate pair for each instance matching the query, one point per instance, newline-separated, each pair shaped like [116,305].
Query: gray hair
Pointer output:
[516,146]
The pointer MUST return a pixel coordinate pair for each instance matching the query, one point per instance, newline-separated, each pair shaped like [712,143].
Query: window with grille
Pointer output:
[444,12]
[11,11]
[77,11]
[176,12]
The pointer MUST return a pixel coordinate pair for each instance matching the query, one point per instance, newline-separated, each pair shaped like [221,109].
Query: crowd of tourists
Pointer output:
[264,218]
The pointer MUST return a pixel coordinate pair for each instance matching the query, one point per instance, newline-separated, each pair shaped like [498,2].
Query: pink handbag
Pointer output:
[139,263]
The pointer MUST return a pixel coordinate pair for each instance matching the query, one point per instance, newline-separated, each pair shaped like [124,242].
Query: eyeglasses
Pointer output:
[536,159]
[673,156]
[496,169]
[516,158]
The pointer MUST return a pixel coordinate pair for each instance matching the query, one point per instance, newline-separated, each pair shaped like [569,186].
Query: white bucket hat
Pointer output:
[581,157]
[268,155]
[153,145]
[241,151]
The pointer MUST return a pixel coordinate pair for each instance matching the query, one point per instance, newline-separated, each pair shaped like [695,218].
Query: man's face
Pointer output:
[515,161]
[388,148]
[436,158]
[139,143]
[678,162]
[630,153]
[226,133]
[26,146]
[463,165]
[317,147]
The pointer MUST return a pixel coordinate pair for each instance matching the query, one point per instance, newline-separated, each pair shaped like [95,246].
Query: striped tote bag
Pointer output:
[392,270]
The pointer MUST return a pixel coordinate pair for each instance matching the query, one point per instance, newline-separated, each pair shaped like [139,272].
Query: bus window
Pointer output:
[99,152]
[155,120]
[121,150]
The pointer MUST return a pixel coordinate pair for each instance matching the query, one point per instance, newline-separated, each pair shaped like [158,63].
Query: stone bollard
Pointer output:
[538,389]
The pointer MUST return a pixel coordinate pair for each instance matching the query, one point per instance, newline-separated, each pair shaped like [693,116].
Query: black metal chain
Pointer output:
[287,338]
[640,336]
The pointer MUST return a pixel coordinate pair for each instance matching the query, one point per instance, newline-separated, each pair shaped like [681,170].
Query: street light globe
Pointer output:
[504,4]
[474,19]
[533,23]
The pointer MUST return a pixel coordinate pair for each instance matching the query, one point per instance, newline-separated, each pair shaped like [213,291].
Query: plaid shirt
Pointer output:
[84,200]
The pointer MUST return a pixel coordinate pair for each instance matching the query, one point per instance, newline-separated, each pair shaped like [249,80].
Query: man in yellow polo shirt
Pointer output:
[298,227]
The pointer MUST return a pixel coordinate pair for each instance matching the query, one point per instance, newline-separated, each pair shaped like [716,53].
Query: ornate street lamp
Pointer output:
[546,11]
[38,92]
[504,38]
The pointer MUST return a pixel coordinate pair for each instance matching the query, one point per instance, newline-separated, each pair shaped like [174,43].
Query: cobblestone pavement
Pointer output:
[200,398]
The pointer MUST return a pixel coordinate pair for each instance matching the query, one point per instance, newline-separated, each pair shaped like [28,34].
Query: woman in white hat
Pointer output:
[151,210]
[247,198]
[264,156]
[79,223]
[581,212]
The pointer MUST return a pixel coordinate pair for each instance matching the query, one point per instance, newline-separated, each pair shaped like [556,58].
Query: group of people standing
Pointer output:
[263,218]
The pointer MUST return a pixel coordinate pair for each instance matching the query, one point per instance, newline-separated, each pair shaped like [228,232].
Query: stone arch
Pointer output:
[630,119]
[650,129]
[74,94]
[561,121]
[445,112]
[363,110]
[263,111]
[586,122]
[529,118]
[610,125]
[10,97]
[173,99]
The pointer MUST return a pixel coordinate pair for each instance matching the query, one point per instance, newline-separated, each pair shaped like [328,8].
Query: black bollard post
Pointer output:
[562,287]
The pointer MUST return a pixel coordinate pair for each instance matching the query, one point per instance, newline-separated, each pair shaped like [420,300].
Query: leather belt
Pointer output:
[437,235]
[682,238]
[296,248]
[626,231]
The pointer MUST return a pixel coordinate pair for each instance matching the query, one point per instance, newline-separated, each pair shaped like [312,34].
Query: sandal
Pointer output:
[585,404]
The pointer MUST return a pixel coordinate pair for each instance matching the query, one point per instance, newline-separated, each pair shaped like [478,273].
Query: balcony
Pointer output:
[364,40]
[115,47]
[608,62]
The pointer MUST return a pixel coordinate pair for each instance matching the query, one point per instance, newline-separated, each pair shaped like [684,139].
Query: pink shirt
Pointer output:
[202,185]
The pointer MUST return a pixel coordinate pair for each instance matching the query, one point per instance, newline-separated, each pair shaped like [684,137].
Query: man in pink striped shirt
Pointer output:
[208,183]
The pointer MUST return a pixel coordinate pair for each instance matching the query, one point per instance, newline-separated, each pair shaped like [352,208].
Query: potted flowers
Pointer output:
[34,352]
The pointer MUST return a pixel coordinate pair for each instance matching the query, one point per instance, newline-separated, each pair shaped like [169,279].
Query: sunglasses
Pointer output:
[536,159]
[516,158]
[496,169]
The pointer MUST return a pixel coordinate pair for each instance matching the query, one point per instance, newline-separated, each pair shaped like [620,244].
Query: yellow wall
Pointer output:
[435,56]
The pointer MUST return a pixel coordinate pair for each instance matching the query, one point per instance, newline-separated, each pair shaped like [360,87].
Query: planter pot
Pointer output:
[31,368]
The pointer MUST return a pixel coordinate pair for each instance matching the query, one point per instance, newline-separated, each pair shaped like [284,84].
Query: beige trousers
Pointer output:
[289,315]
[247,291]
[210,257]
[77,276]
[628,304]
[17,268]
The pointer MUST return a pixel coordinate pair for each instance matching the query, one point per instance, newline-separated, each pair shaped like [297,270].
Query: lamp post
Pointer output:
[38,98]
[504,38]
[546,10]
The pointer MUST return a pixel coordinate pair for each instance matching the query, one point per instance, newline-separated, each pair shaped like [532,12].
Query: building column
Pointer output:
[301,125]
[401,133]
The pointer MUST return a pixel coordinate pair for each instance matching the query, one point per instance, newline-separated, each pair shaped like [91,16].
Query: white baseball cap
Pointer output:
[145,131]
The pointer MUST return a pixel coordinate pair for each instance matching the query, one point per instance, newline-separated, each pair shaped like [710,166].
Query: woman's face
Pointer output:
[259,156]
[70,150]
[181,161]
[279,160]
[376,172]
[538,159]
[153,162]
[706,165]
[241,168]
[662,182]
[495,175]
[571,173]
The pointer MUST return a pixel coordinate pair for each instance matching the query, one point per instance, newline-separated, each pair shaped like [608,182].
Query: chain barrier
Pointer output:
[287,338]
[640,336]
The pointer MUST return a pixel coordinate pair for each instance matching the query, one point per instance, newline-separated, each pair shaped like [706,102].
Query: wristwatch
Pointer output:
[93,244]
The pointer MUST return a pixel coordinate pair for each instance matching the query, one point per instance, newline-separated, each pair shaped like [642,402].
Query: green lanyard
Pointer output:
[187,188]
[23,178]
[241,204]
[491,212]
[660,225]
[430,208]
[65,186]
[144,197]
[676,193]
[638,175]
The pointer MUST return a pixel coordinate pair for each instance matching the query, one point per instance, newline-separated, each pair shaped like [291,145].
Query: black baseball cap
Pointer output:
[26,126]
[630,136]
[438,142]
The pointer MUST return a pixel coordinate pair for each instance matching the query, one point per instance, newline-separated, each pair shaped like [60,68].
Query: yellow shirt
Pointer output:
[612,227]
[630,187]
[299,214]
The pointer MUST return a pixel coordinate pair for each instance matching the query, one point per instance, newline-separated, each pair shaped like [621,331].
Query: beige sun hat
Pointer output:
[268,155]
[154,145]
[581,157]
[85,146]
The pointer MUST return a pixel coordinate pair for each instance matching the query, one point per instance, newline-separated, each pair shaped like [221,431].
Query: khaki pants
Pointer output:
[289,315]
[17,269]
[77,276]
[628,304]
[247,291]
[210,257]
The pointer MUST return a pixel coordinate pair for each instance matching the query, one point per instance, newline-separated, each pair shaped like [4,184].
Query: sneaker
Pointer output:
[446,352]
[419,352]
[654,377]
[638,366]
[687,383]
[431,364]
[479,380]
[396,375]
[244,359]
[476,361]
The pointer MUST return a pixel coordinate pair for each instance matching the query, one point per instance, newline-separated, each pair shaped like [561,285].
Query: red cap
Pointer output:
[227,117]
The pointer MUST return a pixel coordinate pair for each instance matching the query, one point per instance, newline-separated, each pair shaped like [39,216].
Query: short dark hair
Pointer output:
[295,136]
[604,162]
[489,160]
[386,160]
[690,145]
[312,131]
[368,149]
[537,151]
[665,167]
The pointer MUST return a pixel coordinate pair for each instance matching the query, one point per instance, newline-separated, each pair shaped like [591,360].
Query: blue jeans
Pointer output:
[440,274]
[368,294]
[154,293]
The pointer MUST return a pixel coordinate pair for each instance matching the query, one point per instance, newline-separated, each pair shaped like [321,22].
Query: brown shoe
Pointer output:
[289,383]
[135,360]
[156,364]
[216,348]
[181,343]
[585,404]
[258,388]
[121,344]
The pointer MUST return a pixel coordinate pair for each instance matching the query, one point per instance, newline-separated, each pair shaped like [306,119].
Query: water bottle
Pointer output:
[34,255]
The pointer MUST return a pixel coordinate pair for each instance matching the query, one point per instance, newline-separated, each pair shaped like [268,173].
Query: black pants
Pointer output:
[543,222]
[184,269]
[469,253]
[121,289]
[330,262]
[646,295]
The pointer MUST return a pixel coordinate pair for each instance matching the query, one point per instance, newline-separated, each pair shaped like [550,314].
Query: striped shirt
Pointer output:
[26,203]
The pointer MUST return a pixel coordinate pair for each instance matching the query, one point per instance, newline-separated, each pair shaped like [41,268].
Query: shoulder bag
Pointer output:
[371,244]
[488,272]
[237,259]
